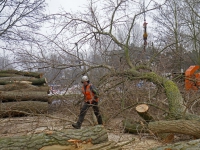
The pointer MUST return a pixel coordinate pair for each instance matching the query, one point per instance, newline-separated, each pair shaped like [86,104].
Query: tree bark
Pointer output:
[96,134]
[24,87]
[21,79]
[134,128]
[13,109]
[190,145]
[11,73]
[188,127]
[13,96]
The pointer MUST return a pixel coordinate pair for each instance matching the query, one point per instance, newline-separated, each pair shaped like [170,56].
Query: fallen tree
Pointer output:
[28,80]
[13,96]
[189,145]
[95,135]
[13,73]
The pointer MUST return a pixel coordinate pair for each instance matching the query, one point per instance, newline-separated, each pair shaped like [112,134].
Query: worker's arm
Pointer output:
[94,90]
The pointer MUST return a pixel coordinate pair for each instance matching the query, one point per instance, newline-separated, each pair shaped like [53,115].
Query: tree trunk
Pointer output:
[21,79]
[13,109]
[95,135]
[142,111]
[188,127]
[11,73]
[190,145]
[13,96]
[24,87]
[134,128]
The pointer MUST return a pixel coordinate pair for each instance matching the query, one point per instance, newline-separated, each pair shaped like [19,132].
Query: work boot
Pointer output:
[76,125]
[99,120]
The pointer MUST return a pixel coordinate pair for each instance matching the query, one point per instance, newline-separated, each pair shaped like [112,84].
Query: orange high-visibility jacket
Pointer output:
[89,94]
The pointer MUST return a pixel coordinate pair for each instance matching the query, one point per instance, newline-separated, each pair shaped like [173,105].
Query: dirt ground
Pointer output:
[29,125]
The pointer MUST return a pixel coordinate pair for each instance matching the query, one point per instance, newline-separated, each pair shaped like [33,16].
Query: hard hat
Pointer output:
[84,78]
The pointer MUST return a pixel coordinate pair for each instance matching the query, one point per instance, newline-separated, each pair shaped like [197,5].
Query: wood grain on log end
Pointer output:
[142,108]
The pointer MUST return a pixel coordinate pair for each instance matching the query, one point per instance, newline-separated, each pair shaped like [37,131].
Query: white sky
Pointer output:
[55,6]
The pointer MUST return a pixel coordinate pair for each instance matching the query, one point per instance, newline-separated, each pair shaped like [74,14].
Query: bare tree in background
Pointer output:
[19,23]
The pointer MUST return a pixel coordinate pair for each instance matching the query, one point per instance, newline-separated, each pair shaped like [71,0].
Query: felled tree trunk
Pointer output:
[21,79]
[134,128]
[11,73]
[13,109]
[188,127]
[95,135]
[190,145]
[13,96]
[24,87]
[142,110]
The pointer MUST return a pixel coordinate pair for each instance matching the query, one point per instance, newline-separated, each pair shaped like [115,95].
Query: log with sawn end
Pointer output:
[13,96]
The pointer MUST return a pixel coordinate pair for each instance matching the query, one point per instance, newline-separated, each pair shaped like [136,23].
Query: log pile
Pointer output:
[22,93]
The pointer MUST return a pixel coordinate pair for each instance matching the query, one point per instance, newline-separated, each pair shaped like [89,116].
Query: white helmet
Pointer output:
[84,78]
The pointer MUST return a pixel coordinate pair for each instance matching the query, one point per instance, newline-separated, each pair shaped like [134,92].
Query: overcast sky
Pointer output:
[69,5]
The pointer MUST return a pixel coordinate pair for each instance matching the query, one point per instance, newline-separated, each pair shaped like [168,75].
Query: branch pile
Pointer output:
[22,92]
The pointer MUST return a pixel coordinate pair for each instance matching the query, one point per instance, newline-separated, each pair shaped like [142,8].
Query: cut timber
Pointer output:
[8,73]
[96,134]
[24,87]
[21,79]
[13,109]
[142,111]
[186,145]
[188,127]
[13,96]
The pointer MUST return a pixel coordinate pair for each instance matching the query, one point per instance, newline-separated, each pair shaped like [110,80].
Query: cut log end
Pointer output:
[142,108]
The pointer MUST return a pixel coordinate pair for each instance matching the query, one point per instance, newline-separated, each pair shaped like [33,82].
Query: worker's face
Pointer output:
[85,83]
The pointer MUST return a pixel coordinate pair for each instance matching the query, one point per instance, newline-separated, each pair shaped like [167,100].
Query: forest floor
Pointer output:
[28,125]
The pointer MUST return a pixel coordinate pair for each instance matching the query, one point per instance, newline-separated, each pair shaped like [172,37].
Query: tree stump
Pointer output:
[142,111]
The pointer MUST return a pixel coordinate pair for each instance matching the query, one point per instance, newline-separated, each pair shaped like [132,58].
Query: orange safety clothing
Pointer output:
[89,95]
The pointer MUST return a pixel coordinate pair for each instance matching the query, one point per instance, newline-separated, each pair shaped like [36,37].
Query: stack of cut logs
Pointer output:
[22,93]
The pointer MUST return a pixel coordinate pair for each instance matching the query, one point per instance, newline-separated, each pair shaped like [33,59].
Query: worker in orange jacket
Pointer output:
[90,100]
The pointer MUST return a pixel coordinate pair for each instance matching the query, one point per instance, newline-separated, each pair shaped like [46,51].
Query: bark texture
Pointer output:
[13,96]
[12,73]
[134,128]
[96,134]
[29,80]
[190,145]
[188,127]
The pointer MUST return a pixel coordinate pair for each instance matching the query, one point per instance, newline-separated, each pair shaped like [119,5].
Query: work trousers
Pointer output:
[84,110]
